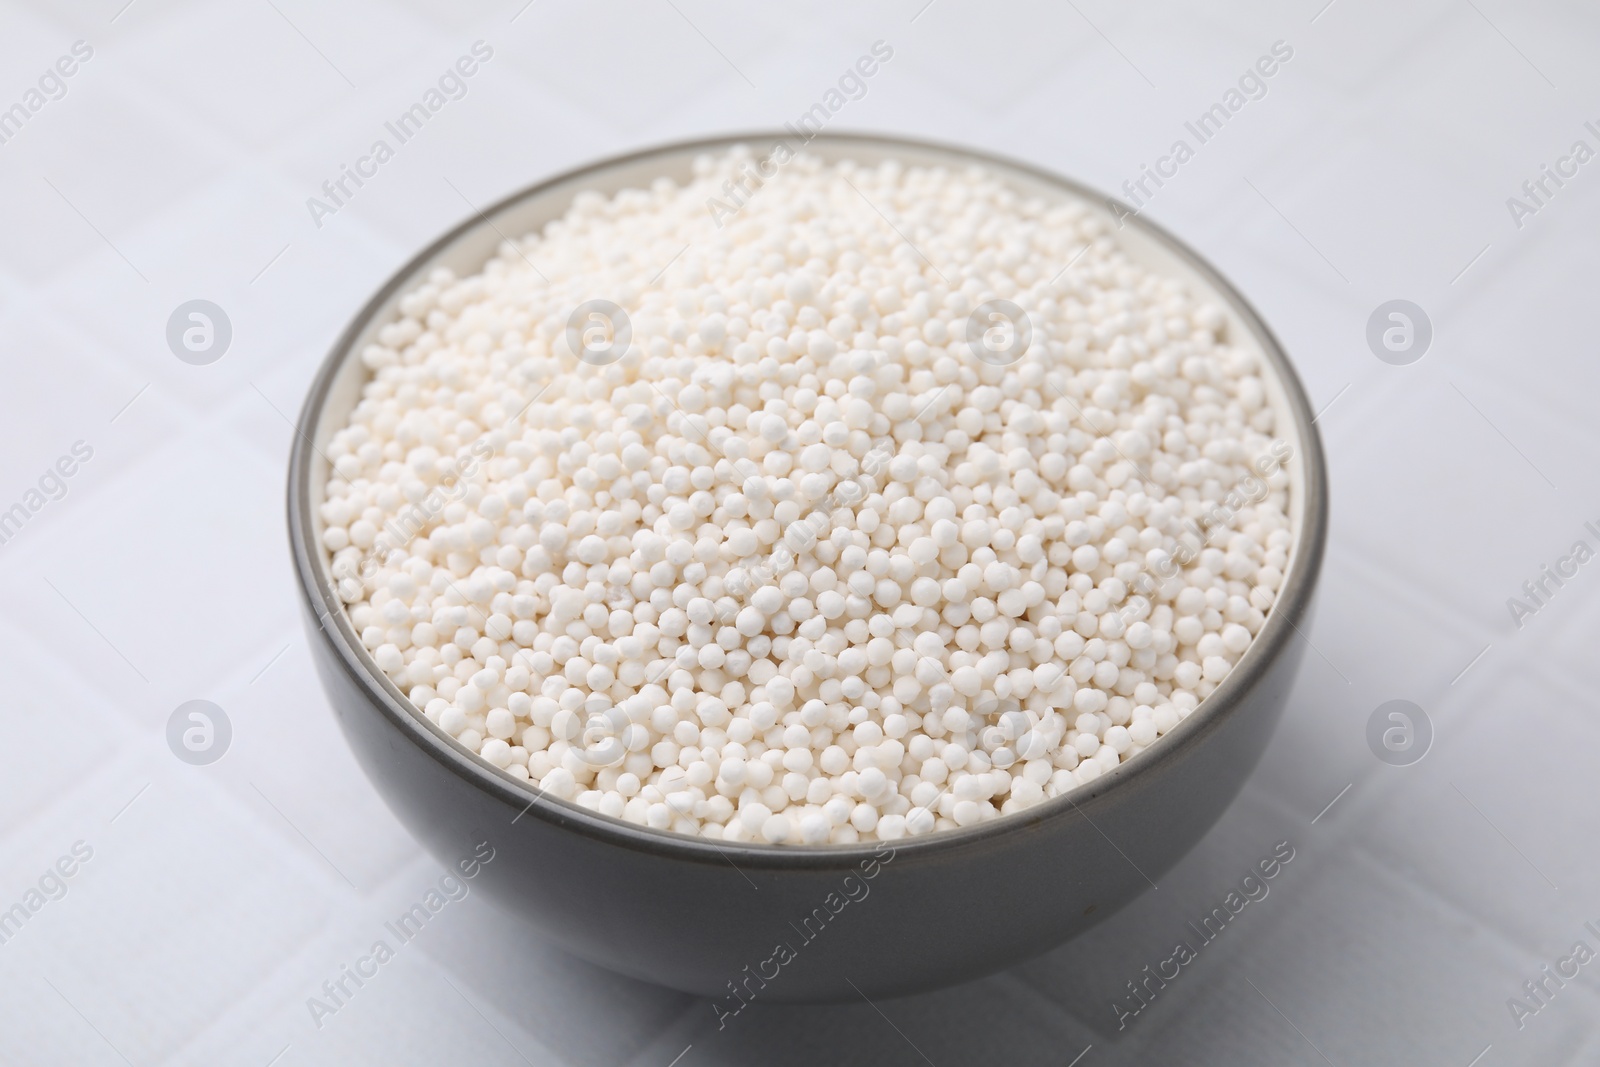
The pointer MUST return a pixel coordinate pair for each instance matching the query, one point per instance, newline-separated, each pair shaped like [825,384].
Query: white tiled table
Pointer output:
[1377,166]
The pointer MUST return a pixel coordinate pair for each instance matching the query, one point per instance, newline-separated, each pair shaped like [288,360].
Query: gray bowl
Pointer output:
[814,923]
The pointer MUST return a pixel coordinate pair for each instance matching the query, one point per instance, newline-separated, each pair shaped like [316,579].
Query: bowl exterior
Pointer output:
[897,921]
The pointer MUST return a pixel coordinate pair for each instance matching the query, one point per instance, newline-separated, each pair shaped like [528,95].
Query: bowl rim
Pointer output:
[1282,623]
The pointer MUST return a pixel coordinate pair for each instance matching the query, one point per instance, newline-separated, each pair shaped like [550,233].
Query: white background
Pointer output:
[1377,167]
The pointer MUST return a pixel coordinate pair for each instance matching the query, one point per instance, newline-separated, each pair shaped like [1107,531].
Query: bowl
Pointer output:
[740,921]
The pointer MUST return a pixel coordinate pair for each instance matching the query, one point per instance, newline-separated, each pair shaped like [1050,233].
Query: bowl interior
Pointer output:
[467,248]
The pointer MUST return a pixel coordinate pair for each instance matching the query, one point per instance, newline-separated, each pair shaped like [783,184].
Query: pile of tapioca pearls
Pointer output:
[596,604]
